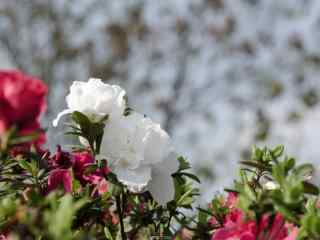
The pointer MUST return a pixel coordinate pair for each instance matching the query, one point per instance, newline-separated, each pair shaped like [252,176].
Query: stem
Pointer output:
[120,212]
[169,221]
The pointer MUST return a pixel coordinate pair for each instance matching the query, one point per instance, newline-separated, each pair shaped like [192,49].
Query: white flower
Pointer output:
[141,155]
[138,150]
[271,185]
[94,99]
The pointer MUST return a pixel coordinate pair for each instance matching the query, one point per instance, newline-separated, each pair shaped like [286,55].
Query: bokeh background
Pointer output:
[220,75]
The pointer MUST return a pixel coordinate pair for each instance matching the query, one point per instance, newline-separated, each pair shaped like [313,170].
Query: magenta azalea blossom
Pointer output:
[81,161]
[60,177]
[236,227]
[62,163]
[60,159]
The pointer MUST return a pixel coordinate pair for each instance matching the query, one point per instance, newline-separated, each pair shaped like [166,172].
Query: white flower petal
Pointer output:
[161,185]
[123,141]
[95,80]
[136,180]
[96,99]
[57,119]
[158,144]
[75,95]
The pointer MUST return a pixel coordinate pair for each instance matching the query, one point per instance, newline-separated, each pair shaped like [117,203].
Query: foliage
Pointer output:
[269,183]
[29,211]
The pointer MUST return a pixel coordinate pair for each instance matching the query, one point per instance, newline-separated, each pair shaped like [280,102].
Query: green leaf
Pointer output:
[191,176]
[310,188]
[289,164]
[80,119]
[256,154]
[183,164]
[90,168]
[278,151]
[25,165]
[303,171]
[248,191]
[98,142]
[104,118]
[203,215]
[258,165]
[127,111]
[78,134]
[285,210]
[107,233]
[185,199]
[76,185]
[24,139]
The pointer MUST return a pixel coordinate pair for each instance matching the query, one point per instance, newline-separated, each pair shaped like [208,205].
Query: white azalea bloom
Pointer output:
[158,144]
[94,99]
[122,143]
[138,150]
[141,156]
[135,179]
[161,185]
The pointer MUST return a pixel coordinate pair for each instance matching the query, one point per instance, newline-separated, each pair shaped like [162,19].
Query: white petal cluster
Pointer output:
[141,154]
[139,150]
[94,99]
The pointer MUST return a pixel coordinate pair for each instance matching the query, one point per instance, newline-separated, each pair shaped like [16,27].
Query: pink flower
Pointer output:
[102,187]
[236,227]
[60,177]
[3,237]
[232,200]
[22,100]
[229,203]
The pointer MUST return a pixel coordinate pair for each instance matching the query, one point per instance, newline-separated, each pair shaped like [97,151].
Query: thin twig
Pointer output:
[120,212]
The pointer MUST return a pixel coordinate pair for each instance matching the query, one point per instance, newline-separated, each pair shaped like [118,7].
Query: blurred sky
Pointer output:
[219,75]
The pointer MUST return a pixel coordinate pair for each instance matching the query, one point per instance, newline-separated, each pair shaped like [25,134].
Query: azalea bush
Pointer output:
[123,178]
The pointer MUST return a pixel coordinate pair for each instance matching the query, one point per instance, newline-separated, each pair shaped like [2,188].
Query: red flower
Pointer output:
[232,200]
[60,177]
[81,161]
[63,162]
[22,100]
[60,159]
[236,227]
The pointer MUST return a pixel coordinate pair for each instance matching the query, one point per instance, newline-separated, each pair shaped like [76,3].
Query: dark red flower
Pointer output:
[22,100]
[60,159]
[19,150]
[60,177]
[62,163]
[81,161]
